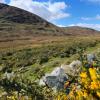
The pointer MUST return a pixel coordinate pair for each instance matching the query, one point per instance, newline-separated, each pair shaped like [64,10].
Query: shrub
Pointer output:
[85,86]
[42,59]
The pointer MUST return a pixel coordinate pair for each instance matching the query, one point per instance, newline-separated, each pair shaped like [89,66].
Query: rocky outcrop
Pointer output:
[73,68]
[55,79]
[59,75]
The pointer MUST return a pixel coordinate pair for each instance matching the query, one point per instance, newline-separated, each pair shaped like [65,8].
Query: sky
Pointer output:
[63,13]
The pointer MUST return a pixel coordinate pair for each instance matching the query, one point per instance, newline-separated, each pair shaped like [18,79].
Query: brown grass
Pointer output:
[43,40]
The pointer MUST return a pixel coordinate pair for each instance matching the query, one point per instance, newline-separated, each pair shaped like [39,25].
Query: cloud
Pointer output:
[2,1]
[93,1]
[97,17]
[59,25]
[93,26]
[86,18]
[47,10]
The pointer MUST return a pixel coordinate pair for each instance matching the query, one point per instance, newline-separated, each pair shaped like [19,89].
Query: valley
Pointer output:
[31,47]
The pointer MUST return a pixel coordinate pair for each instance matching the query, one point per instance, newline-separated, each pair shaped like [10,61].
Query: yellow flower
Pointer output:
[58,98]
[83,75]
[93,73]
[98,83]
[94,85]
[85,95]
[86,86]
[10,98]
[80,93]
[64,97]
[74,88]
[98,94]
[84,81]
[71,94]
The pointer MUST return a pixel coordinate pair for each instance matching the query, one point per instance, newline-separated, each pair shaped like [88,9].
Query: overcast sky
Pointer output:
[84,13]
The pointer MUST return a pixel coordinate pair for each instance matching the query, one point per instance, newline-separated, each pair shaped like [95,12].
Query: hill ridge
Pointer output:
[18,24]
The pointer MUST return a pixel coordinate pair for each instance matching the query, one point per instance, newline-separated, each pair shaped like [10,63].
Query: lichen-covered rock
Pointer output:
[73,68]
[91,57]
[55,79]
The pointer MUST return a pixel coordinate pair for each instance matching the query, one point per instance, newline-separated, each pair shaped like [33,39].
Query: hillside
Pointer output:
[76,30]
[20,27]
[15,22]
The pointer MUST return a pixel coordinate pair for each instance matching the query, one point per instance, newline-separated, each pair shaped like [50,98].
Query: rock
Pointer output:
[55,79]
[4,93]
[41,82]
[76,63]
[91,57]
[73,68]
[66,68]
[9,75]
[58,76]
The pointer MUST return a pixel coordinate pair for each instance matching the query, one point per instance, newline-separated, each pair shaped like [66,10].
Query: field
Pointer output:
[30,60]
[45,51]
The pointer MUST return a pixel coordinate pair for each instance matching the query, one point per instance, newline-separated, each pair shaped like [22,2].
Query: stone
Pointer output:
[58,76]
[73,68]
[9,75]
[55,79]
[75,63]
[90,57]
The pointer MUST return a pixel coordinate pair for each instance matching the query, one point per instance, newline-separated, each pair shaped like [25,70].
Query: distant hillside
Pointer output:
[17,24]
[76,30]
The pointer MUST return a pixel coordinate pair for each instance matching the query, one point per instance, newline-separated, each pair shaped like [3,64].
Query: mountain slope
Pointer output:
[15,22]
[76,30]
[18,26]
[17,15]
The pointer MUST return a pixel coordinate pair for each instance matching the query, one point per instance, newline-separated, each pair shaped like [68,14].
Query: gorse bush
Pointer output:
[27,57]
[18,87]
[86,85]
[42,59]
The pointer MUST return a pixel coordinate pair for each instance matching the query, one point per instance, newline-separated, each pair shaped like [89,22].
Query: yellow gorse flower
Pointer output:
[85,95]
[92,72]
[98,94]
[83,75]
[80,93]
[11,98]
[94,85]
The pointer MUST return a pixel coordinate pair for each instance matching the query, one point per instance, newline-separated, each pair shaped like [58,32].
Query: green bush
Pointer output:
[42,59]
